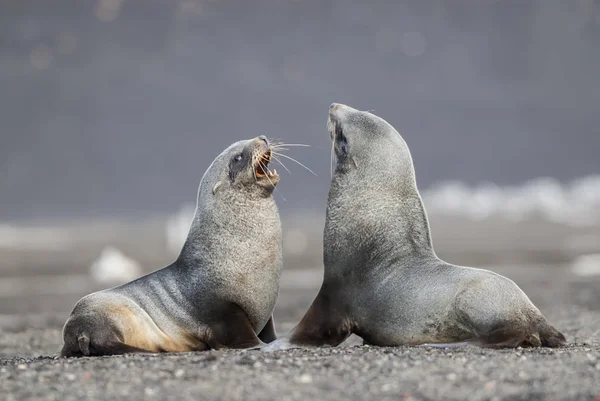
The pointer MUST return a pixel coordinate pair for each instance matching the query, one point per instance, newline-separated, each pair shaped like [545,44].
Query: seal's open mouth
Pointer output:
[261,166]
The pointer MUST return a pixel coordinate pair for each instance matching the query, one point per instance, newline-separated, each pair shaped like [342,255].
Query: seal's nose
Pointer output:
[264,139]
[333,107]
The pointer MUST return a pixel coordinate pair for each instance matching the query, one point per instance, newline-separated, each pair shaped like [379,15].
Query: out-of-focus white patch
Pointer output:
[114,267]
[295,242]
[281,343]
[34,238]
[574,204]
[587,265]
[178,227]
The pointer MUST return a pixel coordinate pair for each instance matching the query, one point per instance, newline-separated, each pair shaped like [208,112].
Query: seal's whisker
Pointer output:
[295,161]
[254,164]
[282,165]
[266,169]
[267,172]
[331,161]
[302,145]
[279,193]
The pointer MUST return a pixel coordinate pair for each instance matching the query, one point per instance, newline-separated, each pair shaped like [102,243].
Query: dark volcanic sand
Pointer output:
[347,373]
[355,373]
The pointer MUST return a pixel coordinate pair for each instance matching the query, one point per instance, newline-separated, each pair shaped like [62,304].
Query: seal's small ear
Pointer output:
[216,187]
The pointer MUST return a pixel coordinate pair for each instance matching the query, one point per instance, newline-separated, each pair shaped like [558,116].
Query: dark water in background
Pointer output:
[117,108]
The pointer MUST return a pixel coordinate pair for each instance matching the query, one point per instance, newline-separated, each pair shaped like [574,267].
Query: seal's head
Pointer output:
[249,165]
[243,166]
[368,146]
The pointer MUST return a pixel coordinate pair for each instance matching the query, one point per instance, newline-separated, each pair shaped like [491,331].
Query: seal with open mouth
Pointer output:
[221,290]
[383,280]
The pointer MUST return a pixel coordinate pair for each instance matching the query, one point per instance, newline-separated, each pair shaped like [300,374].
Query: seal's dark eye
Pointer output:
[238,158]
[343,143]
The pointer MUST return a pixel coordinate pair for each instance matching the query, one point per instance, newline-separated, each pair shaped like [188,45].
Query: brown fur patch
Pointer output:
[140,331]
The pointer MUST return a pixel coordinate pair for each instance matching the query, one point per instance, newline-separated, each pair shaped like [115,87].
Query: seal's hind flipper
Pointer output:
[541,334]
[482,342]
[459,344]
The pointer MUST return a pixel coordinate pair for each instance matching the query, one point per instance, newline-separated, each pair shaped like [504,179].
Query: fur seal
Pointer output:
[382,278]
[221,290]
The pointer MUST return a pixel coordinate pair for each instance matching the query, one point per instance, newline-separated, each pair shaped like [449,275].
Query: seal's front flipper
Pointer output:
[232,329]
[323,324]
[268,333]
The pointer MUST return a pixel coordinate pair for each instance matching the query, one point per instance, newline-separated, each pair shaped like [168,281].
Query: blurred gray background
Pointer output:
[116,107]
[111,111]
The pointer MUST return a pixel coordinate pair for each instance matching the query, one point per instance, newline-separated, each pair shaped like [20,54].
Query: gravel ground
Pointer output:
[34,304]
[351,372]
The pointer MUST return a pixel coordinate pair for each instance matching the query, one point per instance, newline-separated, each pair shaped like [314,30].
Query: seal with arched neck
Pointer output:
[221,290]
[382,278]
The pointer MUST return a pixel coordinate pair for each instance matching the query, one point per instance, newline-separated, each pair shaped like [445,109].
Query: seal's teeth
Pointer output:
[274,171]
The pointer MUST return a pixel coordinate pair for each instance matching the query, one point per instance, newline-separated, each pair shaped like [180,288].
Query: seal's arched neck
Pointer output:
[366,224]
[221,226]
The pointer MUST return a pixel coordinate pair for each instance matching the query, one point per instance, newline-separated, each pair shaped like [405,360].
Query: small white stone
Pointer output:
[179,373]
[305,378]
[22,366]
